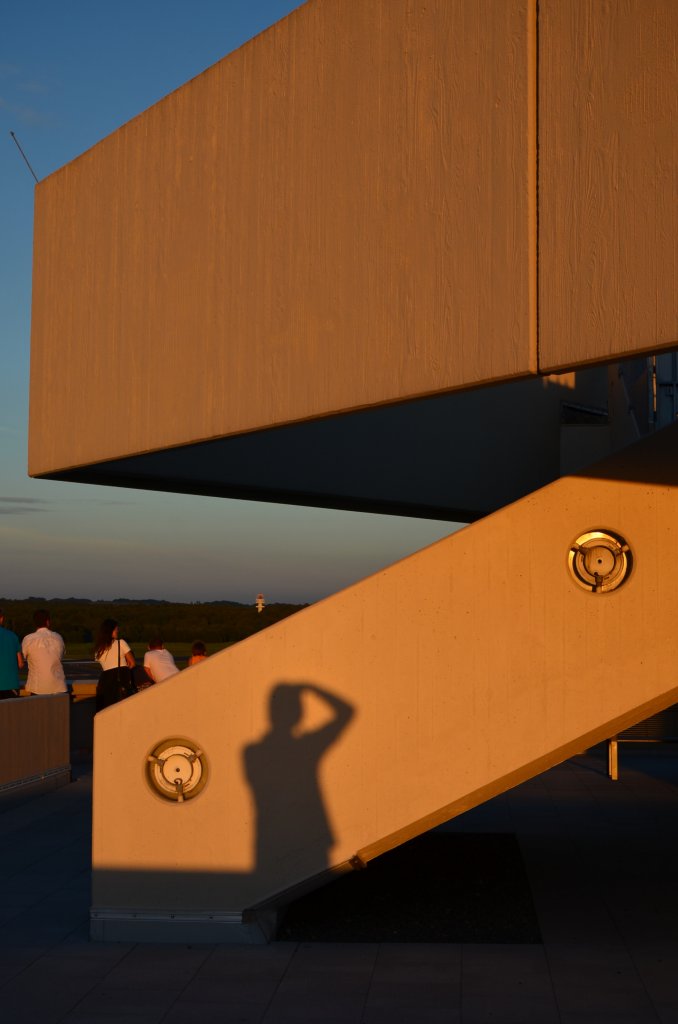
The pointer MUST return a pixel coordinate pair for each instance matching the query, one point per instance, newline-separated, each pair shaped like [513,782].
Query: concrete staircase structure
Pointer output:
[408,248]
[424,690]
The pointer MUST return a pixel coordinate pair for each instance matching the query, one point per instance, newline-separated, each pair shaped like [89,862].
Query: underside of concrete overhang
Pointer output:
[457,456]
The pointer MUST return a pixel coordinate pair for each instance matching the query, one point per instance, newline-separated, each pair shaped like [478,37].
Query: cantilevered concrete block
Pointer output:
[339,214]
[342,216]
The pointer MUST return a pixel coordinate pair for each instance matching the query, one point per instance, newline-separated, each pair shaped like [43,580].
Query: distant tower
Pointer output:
[260,602]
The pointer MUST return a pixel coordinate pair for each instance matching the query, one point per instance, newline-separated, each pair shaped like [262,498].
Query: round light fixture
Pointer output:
[176,769]
[599,561]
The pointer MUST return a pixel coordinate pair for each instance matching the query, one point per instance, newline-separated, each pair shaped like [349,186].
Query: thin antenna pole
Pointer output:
[25,158]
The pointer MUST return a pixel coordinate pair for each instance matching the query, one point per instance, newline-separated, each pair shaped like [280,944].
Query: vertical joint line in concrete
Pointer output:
[533,171]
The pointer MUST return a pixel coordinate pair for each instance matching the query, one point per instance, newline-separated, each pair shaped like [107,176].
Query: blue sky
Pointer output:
[71,73]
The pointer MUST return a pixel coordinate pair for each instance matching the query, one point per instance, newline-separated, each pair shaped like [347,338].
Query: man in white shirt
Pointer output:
[43,650]
[158,662]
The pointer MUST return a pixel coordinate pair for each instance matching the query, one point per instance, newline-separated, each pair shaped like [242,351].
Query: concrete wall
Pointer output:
[608,179]
[339,214]
[342,214]
[34,744]
[468,667]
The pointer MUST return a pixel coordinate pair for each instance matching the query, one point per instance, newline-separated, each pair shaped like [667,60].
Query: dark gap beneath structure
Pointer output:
[439,887]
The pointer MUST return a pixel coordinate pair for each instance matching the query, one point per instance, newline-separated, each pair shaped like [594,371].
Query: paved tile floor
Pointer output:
[602,861]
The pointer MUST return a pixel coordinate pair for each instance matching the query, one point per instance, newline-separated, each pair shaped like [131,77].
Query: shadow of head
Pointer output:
[285,707]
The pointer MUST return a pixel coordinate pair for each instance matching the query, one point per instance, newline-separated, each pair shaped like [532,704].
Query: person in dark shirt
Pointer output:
[11,660]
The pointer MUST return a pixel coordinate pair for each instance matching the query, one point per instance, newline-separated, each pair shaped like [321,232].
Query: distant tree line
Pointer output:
[78,619]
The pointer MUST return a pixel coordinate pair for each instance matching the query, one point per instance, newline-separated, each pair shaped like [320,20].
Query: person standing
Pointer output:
[158,662]
[11,660]
[43,650]
[117,661]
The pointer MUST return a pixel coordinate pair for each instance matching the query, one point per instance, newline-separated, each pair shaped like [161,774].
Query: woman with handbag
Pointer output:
[117,661]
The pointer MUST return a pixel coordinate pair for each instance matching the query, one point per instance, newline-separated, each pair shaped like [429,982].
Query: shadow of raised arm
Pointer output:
[343,713]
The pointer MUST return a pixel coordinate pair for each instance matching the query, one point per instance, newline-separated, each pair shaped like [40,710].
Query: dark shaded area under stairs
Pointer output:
[436,888]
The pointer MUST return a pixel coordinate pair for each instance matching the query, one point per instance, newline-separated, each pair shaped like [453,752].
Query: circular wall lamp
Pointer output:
[176,769]
[599,561]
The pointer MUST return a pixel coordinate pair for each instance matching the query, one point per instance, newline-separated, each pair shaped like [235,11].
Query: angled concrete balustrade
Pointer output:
[424,689]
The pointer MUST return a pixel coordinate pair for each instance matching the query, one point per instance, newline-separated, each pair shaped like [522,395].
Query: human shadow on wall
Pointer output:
[293,828]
